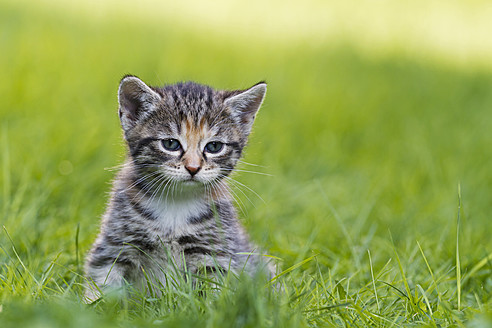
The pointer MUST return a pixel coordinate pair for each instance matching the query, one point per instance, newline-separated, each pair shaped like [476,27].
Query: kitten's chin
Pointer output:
[191,182]
[190,189]
[192,185]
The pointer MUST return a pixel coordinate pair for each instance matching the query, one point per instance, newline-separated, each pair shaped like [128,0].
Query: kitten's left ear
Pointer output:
[246,104]
[136,99]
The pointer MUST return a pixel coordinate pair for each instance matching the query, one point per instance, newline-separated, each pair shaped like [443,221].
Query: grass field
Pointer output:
[378,197]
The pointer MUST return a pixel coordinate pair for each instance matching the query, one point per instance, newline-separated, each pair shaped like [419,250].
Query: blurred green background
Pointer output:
[376,113]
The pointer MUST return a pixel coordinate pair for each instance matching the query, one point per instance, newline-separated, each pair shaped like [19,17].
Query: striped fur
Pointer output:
[168,204]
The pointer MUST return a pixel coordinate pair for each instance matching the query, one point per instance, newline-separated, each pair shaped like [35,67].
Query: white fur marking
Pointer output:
[173,214]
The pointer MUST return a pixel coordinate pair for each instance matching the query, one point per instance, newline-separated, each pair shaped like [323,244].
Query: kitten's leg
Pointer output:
[103,278]
[210,268]
[108,277]
[104,272]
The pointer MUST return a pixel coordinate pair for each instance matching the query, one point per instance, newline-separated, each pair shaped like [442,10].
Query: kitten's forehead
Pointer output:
[192,106]
[191,99]
[193,132]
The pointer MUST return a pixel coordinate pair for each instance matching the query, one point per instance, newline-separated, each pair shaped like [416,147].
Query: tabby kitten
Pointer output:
[170,206]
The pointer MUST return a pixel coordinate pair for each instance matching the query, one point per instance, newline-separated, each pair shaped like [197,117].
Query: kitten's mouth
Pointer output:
[191,181]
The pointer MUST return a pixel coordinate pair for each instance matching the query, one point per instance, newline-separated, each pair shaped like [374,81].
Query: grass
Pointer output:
[366,155]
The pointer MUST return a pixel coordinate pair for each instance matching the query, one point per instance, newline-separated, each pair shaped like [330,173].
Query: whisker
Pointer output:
[207,191]
[148,186]
[247,171]
[219,187]
[169,187]
[157,191]
[260,173]
[245,186]
[237,199]
[141,179]
[239,202]
[175,188]
[243,162]
[131,164]
[238,188]
[166,186]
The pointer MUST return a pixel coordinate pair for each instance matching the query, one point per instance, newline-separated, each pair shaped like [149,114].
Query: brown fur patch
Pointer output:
[194,134]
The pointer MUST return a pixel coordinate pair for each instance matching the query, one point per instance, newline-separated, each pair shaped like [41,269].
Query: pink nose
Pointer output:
[193,169]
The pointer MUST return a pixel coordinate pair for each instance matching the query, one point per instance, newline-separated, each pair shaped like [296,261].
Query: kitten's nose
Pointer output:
[193,168]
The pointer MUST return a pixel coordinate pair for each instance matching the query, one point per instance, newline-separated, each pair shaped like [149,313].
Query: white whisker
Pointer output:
[149,187]
[240,190]
[248,171]
[157,191]
[246,163]
[238,200]
[245,186]
[145,177]
[131,164]
[220,187]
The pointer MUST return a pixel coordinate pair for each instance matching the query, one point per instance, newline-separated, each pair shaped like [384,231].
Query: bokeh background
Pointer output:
[378,116]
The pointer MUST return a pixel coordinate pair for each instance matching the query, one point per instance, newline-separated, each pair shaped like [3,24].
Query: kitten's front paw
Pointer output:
[91,295]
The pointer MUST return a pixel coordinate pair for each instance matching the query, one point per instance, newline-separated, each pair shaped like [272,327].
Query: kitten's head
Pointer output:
[186,133]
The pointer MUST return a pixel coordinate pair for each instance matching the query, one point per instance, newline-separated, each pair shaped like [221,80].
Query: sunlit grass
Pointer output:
[363,156]
[447,32]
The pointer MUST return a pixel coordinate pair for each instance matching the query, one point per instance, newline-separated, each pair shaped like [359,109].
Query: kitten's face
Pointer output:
[185,150]
[186,134]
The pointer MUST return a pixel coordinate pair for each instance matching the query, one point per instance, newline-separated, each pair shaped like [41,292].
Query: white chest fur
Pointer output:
[173,216]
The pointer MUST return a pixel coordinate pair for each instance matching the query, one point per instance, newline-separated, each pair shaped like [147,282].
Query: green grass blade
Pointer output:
[458,264]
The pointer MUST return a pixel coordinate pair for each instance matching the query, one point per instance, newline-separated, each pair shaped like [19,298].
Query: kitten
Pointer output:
[170,201]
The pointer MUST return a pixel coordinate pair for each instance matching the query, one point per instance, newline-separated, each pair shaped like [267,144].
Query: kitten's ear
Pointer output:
[246,104]
[135,99]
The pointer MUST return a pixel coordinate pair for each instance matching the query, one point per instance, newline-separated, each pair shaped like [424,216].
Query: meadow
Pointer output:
[373,184]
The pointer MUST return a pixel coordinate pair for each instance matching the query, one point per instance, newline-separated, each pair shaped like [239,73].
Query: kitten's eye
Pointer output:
[214,147]
[171,144]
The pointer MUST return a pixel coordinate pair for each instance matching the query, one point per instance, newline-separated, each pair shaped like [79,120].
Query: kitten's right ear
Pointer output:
[136,99]
[246,104]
